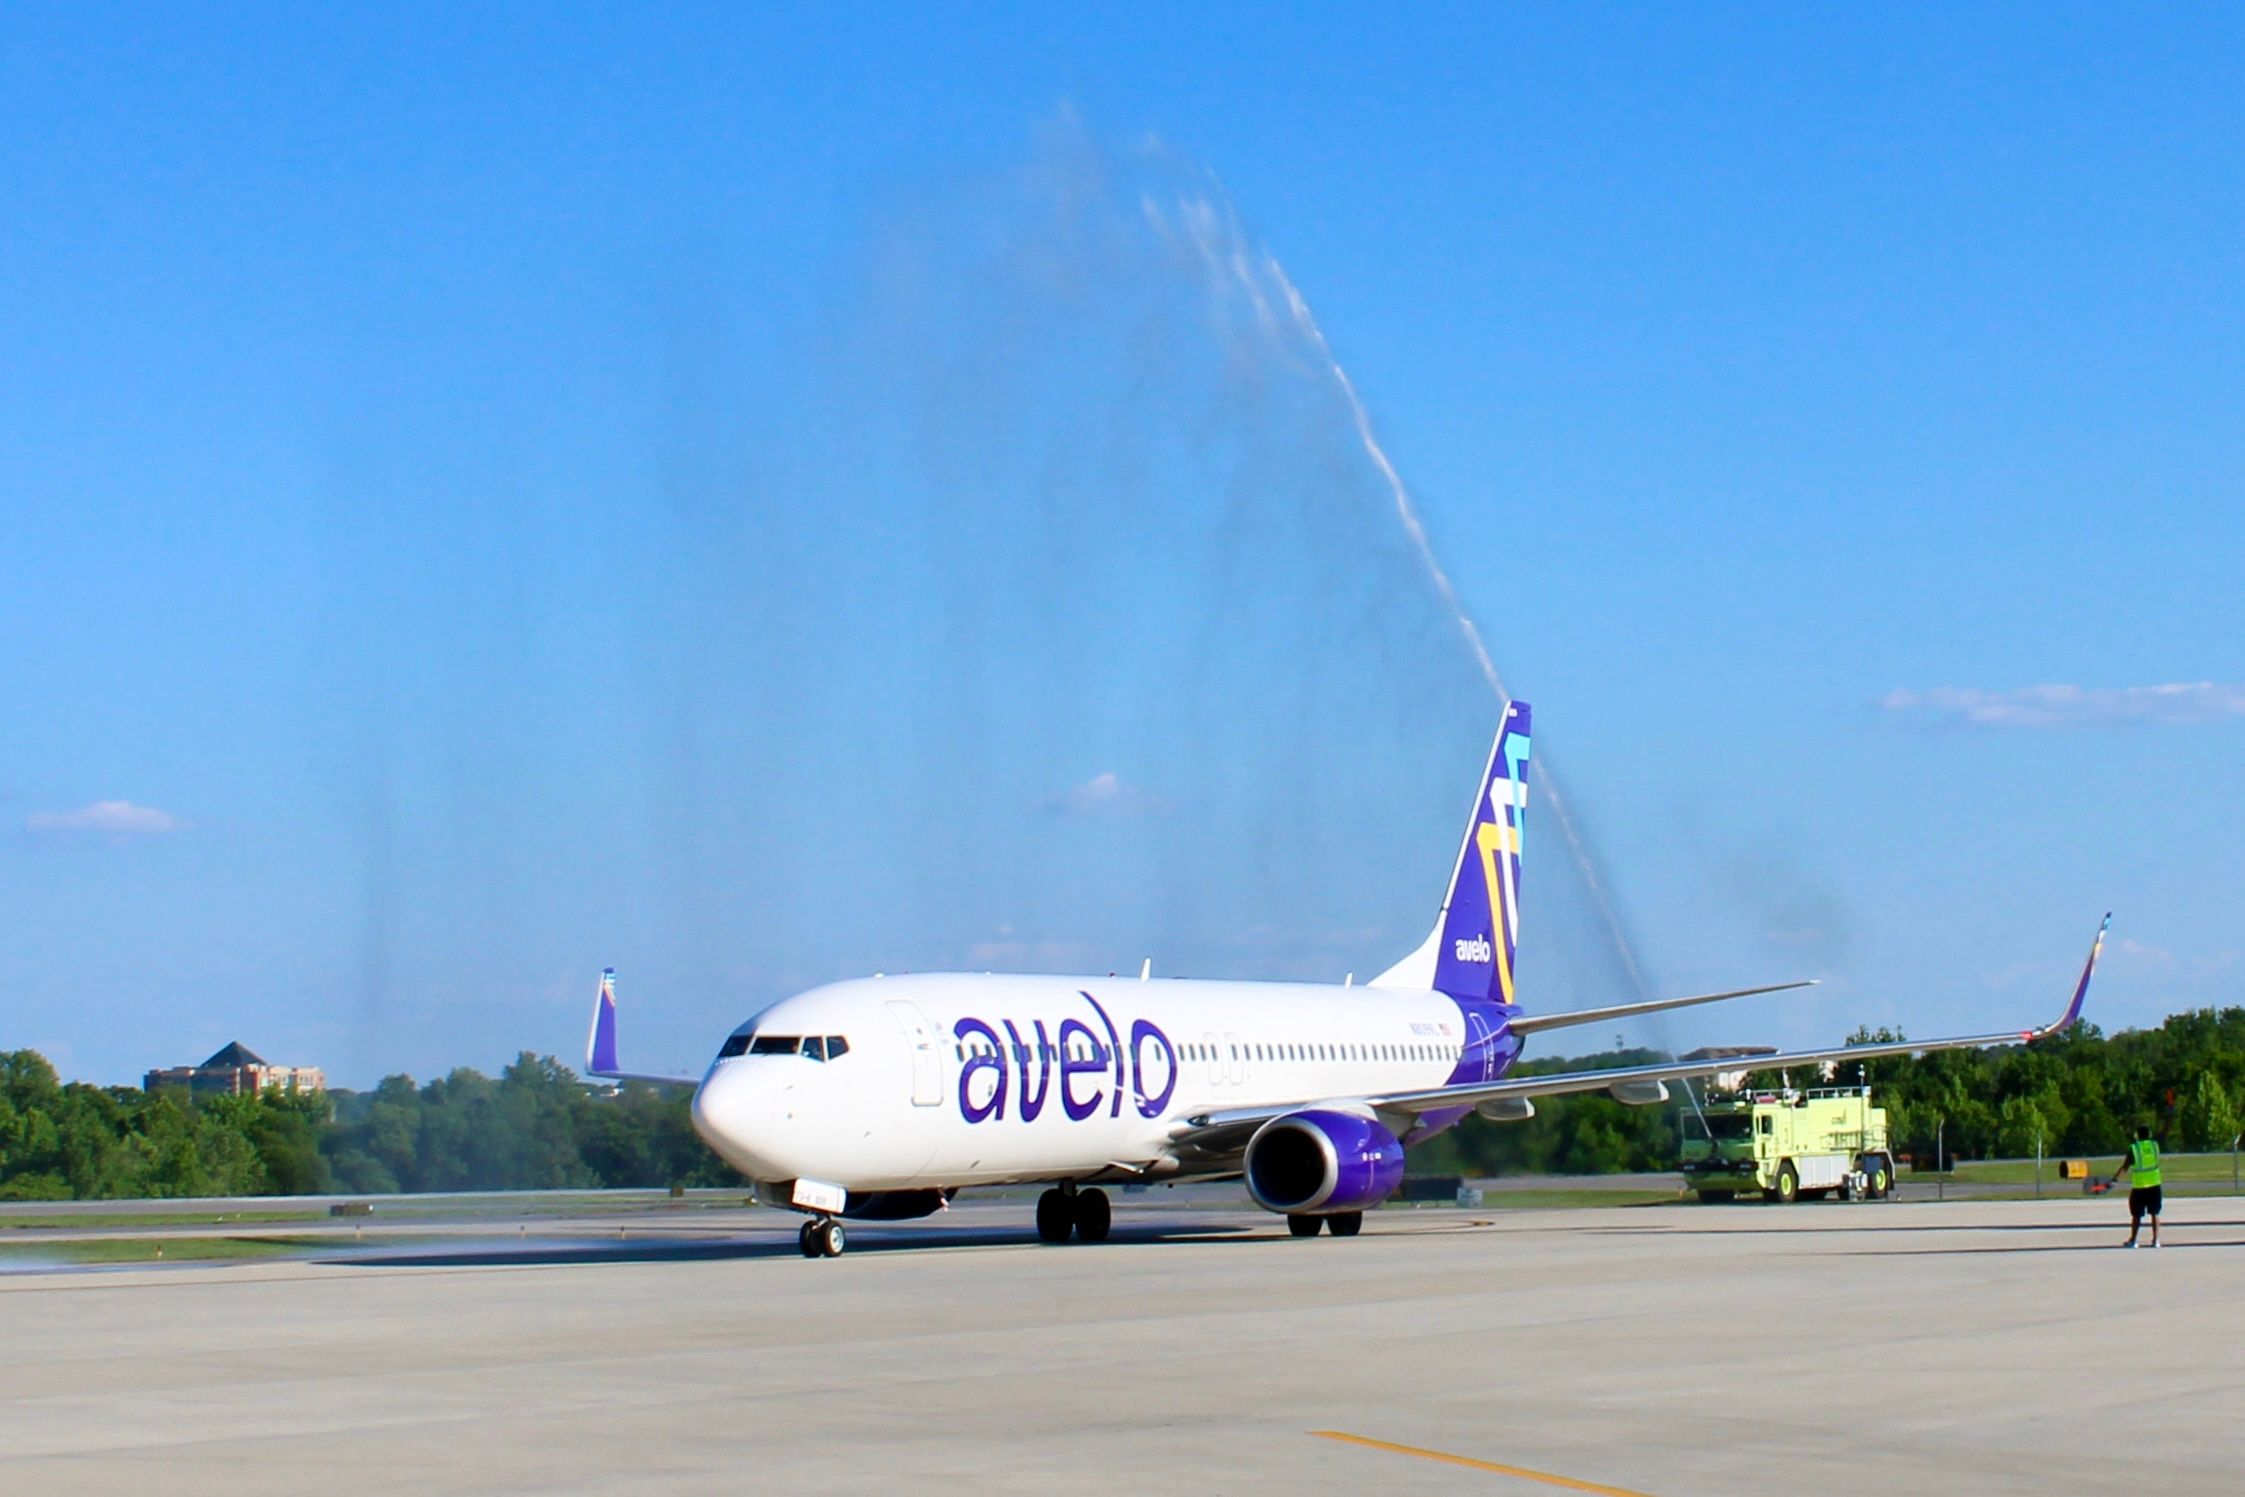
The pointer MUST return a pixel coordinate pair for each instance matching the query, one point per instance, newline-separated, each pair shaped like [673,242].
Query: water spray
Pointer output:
[1215,234]
[1408,515]
[1213,231]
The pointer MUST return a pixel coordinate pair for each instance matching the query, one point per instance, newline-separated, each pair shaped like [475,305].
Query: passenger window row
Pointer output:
[1024,1052]
[834,1047]
[1199,1052]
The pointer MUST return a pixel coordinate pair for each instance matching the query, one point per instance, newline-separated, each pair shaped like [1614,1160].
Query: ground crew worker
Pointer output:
[2142,1168]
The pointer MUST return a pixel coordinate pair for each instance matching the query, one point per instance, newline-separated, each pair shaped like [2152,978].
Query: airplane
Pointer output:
[880,1098]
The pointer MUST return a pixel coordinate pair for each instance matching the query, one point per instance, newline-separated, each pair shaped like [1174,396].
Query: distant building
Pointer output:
[235,1070]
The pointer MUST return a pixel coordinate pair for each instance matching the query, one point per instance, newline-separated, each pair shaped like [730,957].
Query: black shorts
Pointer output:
[2144,1198]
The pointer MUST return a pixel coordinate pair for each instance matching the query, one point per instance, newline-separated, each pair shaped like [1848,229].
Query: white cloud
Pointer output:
[1012,950]
[110,818]
[1106,795]
[2073,706]
[2156,956]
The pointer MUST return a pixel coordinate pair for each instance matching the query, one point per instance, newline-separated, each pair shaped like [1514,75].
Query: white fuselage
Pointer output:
[952,1080]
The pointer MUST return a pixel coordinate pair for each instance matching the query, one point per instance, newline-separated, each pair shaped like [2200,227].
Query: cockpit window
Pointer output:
[813,1047]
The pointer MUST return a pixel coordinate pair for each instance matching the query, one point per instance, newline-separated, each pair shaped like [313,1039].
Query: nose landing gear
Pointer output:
[822,1237]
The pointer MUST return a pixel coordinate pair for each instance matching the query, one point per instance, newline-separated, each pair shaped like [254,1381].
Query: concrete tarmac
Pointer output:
[1821,1348]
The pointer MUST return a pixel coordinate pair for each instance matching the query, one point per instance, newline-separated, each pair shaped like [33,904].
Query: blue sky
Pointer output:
[759,497]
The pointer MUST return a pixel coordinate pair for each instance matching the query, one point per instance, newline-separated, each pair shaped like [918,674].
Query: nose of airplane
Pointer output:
[731,1110]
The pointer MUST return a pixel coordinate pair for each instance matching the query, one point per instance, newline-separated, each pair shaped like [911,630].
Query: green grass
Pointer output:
[1563,1198]
[2178,1169]
[151,1249]
[183,1213]
[192,1212]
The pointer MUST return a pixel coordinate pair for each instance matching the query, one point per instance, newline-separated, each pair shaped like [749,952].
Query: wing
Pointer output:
[1215,1134]
[600,1045]
[1535,1023]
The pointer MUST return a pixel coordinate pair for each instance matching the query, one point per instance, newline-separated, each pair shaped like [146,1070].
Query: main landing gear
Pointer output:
[822,1237]
[1068,1212]
[1339,1223]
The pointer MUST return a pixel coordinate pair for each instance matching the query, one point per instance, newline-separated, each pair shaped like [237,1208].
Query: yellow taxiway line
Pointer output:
[1468,1461]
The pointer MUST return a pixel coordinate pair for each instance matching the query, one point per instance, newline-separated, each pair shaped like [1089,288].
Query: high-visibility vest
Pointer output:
[2143,1164]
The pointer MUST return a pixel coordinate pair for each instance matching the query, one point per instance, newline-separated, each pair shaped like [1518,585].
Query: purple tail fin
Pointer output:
[1477,941]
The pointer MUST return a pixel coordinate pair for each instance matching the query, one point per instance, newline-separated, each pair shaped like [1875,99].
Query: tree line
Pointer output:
[537,1127]
[2081,1093]
[534,1127]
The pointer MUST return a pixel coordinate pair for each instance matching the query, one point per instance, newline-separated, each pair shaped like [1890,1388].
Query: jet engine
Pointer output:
[1319,1160]
[1639,1093]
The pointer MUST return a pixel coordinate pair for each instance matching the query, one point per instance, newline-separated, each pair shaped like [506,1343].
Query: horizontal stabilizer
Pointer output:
[1532,1023]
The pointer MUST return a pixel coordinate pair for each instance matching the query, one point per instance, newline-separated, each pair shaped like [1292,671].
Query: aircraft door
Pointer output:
[927,1074]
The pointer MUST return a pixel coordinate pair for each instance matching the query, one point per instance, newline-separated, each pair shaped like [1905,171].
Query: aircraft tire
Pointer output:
[1345,1223]
[1094,1216]
[803,1239]
[1303,1226]
[832,1239]
[1056,1221]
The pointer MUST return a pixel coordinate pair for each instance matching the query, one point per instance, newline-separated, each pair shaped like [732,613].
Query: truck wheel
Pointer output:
[1788,1184]
[1880,1169]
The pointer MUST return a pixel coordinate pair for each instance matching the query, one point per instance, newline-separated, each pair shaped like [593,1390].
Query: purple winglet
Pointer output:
[600,1053]
[2081,988]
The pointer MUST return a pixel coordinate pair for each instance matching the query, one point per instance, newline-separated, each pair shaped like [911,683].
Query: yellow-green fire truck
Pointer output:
[1789,1145]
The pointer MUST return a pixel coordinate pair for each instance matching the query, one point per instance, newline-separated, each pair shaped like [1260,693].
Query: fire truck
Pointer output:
[1789,1145]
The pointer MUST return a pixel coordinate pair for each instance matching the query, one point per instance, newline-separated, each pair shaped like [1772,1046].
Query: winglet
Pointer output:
[600,1045]
[2081,988]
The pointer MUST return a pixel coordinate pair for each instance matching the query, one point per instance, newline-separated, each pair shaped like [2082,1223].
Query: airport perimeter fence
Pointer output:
[2045,1177]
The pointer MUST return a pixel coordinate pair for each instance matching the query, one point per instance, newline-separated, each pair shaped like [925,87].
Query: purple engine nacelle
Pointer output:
[1318,1161]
